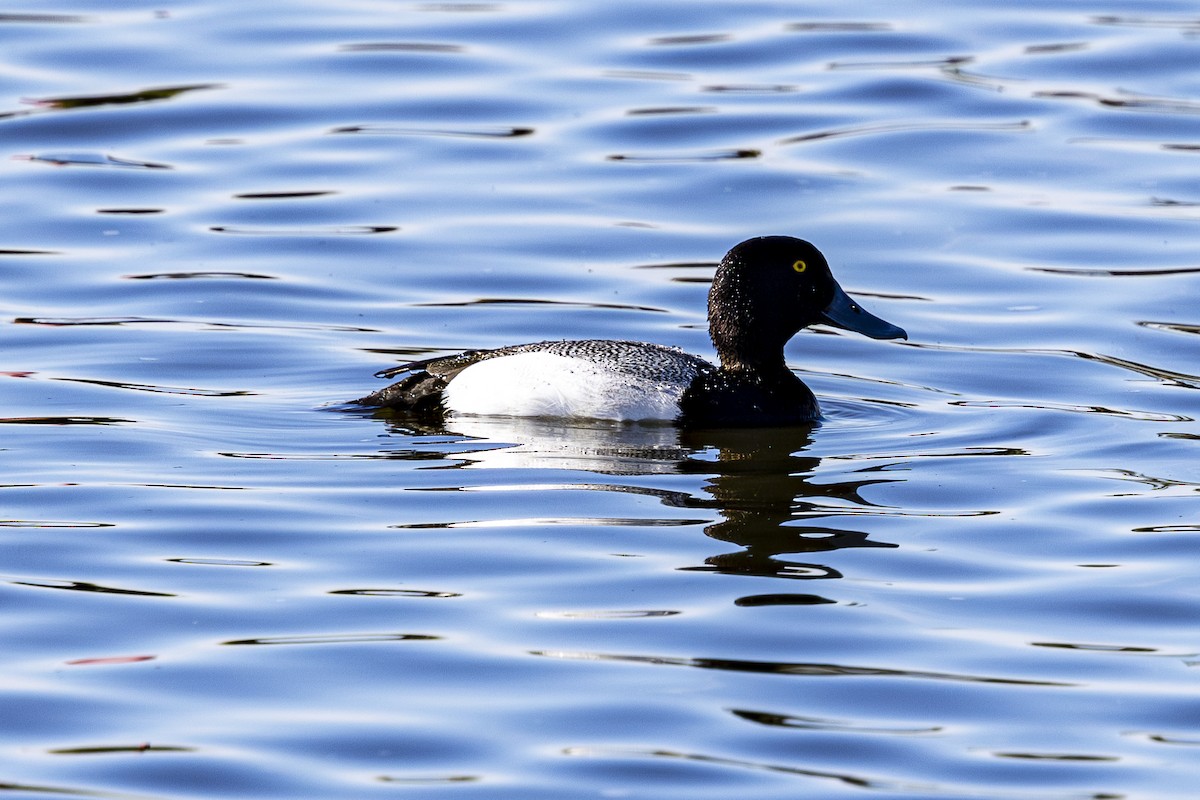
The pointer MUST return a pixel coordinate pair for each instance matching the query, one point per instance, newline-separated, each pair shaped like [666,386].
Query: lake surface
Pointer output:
[977,578]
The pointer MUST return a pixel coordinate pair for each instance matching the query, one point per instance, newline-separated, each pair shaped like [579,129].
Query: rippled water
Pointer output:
[976,579]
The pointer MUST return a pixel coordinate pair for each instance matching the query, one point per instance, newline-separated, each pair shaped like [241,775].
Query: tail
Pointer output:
[418,392]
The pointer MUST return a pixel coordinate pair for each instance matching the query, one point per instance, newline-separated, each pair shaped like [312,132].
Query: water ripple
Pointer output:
[40,19]
[847,778]
[793,668]
[91,160]
[127,98]
[478,133]
[1022,126]
[85,586]
[820,724]
[65,421]
[342,230]
[397,593]
[402,47]
[338,638]
[719,155]
[145,387]
[998,516]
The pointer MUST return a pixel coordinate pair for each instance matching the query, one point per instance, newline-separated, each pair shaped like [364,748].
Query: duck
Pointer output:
[765,291]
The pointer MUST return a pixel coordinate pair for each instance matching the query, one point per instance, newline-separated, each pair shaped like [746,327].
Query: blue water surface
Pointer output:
[974,579]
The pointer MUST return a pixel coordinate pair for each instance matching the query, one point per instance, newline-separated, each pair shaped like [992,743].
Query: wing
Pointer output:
[421,383]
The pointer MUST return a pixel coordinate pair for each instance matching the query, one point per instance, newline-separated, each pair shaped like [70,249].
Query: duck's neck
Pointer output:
[747,333]
[758,361]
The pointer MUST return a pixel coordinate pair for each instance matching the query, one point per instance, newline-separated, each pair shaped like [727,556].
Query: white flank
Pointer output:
[549,385]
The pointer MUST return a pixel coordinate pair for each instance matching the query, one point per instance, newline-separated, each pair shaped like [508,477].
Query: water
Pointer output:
[974,580]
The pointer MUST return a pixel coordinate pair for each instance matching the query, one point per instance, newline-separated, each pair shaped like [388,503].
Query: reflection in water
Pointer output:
[1168,105]
[63,421]
[432,780]
[336,638]
[397,593]
[1055,756]
[58,322]
[717,761]
[143,96]
[341,230]
[145,387]
[405,47]
[530,443]
[145,747]
[91,160]
[872,130]
[48,523]
[475,133]
[220,274]
[714,155]
[283,195]
[1165,377]
[1098,648]
[521,301]
[794,668]
[840,27]
[789,599]
[219,562]
[52,19]
[665,110]
[760,483]
[1178,327]
[1044,405]
[822,724]
[85,586]
[758,480]
[1092,272]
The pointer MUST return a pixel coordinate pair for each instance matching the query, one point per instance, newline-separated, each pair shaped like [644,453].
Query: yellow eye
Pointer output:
[799,266]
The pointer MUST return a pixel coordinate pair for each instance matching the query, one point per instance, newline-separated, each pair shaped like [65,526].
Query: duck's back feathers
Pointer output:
[595,378]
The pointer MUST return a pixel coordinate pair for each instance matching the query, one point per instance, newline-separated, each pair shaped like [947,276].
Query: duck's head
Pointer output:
[769,288]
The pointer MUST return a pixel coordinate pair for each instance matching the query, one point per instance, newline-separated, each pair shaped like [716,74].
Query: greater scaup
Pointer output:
[765,291]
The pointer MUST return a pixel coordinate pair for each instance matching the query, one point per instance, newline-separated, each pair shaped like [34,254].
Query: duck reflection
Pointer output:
[759,482]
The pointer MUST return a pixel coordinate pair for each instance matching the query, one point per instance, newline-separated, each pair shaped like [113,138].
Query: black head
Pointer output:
[769,288]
